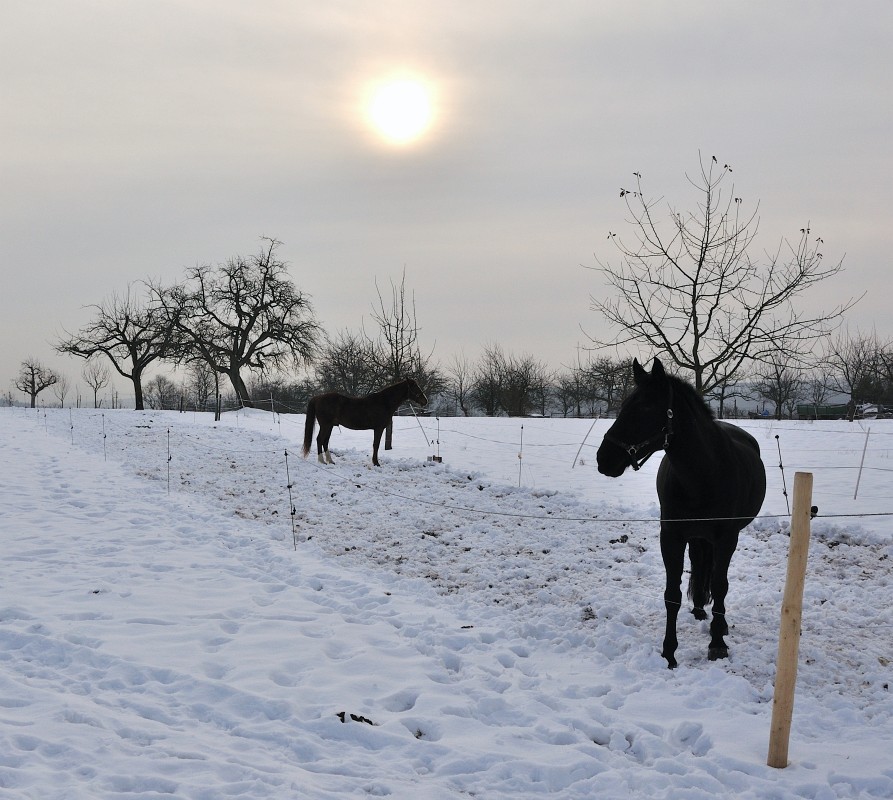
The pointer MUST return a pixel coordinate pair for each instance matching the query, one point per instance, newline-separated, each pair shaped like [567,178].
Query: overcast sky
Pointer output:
[139,138]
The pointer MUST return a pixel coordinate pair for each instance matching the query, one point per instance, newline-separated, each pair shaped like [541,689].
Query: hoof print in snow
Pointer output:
[344,716]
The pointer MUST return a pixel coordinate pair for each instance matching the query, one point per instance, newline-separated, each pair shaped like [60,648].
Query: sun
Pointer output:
[401,110]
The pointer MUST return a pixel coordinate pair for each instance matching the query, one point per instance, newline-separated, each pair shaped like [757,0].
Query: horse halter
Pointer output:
[660,440]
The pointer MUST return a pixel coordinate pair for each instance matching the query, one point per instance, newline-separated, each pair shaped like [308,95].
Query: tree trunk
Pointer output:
[240,389]
[138,402]
[699,380]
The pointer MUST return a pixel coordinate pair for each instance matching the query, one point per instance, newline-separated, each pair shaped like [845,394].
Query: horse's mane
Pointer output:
[683,390]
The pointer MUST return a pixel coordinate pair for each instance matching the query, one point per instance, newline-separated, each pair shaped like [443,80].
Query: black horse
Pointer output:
[711,484]
[372,412]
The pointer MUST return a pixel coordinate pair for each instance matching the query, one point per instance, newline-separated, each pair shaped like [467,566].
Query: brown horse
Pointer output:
[372,412]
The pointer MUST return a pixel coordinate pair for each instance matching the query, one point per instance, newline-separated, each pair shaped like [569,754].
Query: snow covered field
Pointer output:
[438,631]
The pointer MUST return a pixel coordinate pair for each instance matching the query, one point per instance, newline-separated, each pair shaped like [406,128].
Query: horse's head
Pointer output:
[414,393]
[644,423]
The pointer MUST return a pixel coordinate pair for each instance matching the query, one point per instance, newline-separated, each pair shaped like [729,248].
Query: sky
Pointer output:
[142,138]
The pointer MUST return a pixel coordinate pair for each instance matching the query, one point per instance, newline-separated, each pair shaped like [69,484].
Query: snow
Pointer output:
[165,633]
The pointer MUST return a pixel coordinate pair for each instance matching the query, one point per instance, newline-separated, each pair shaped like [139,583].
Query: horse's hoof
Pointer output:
[321,458]
[699,613]
[671,661]
[716,653]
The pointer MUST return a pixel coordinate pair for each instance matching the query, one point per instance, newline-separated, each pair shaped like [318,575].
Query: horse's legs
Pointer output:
[700,553]
[719,627]
[672,549]
[376,440]
[326,445]
[322,444]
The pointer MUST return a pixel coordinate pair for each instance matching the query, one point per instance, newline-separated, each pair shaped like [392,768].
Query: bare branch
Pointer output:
[33,378]
[130,334]
[688,287]
[244,314]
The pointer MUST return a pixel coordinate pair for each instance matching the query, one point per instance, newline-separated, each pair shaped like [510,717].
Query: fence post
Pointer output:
[861,463]
[789,631]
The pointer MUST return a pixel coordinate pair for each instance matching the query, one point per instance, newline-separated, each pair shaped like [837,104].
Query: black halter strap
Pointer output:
[660,440]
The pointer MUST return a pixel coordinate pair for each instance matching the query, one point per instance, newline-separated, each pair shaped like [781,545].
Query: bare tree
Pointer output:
[396,352]
[569,391]
[517,378]
[162,394]
[855,362]
[201,384]
[690,289]
[510,383]
[285,396]
[60,389]
[596,386]
[817,386]
[780,382]
[244,314]
[346,363]
[885,359]
[542,387]
[33,378]
[611,380]
[97,377]
[131,335]
[486,384]
[459,383]
[526,385]
[729,389]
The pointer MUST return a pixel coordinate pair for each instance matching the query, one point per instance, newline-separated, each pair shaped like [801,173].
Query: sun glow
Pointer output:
[401,110]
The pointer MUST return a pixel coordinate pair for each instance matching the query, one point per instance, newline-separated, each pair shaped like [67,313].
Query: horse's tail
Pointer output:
[701,554]
[308,426]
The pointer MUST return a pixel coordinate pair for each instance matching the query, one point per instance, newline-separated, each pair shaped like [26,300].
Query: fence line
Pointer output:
[202,442]
[554,518]
[325,469]
[739,614]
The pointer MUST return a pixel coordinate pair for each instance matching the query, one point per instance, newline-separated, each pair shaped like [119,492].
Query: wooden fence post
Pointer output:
[789,631]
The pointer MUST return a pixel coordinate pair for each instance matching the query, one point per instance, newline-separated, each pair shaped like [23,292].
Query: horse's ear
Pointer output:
[639,374]
[657,370]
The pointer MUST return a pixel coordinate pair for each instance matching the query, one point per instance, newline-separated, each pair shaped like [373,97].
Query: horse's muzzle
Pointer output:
[612,460]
